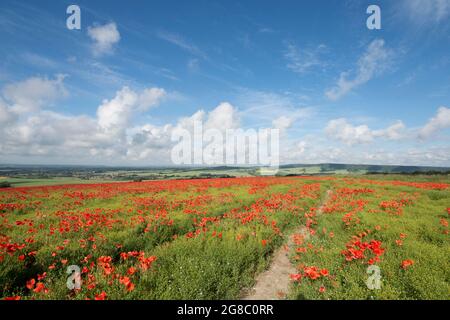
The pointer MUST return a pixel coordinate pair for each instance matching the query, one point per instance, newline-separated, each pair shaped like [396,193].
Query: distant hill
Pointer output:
[58,174]
[328,167]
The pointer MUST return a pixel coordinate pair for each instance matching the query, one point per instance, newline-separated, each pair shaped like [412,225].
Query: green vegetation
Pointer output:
[24,176]
[209,238]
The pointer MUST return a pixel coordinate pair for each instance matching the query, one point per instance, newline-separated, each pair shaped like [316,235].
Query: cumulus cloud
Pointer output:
[224,116]
[33,93]
[109,136]
[149,141]
[104,37]
[440,121]
[374,60]
[282,123]
[315,150]
[28,127]
[114,115]
[342,130]
[393,132]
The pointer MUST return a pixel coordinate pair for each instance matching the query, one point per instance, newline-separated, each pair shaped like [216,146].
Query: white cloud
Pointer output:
[349,134]
[149,141]
[224,116]
[393,132]
[282,123]
[38,60]
[6,115]
[104,37]
[315,150]
[374,61]
[440,121]
[150,97]
[114,115]
[33,93]
[341,130]
[427,11]
[111,136]
[107,137]
[302,60]
[260,108]
[40,132]
[182,43]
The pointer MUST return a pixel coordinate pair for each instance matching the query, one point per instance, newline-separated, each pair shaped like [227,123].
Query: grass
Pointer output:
[425,242]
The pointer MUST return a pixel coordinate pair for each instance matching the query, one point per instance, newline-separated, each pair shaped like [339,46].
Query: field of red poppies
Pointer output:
[208,239]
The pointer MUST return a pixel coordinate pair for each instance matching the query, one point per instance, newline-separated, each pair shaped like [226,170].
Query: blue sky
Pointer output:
[338,91]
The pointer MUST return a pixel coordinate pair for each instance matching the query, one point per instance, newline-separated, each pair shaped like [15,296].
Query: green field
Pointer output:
[210,238]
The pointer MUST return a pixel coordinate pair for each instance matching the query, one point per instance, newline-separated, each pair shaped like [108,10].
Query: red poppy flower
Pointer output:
[123,256]
[296,277]
[311,272]
[407,263]
[30,284]
[101,296]
[40,287]
[324,272]
[127,282]
[322,289]
[41,276]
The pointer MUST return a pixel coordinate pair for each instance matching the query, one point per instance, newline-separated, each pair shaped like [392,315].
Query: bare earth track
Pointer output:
[273,284]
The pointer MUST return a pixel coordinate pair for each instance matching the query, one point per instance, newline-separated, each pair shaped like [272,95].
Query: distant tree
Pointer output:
[5,184]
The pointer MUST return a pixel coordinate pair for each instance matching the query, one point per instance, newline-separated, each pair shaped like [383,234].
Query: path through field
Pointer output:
[273,284]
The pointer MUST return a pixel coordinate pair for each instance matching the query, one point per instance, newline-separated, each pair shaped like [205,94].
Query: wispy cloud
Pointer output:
[182,43]
[39,60]
[302,60]
[427,11]
[262,108]
[373,62]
